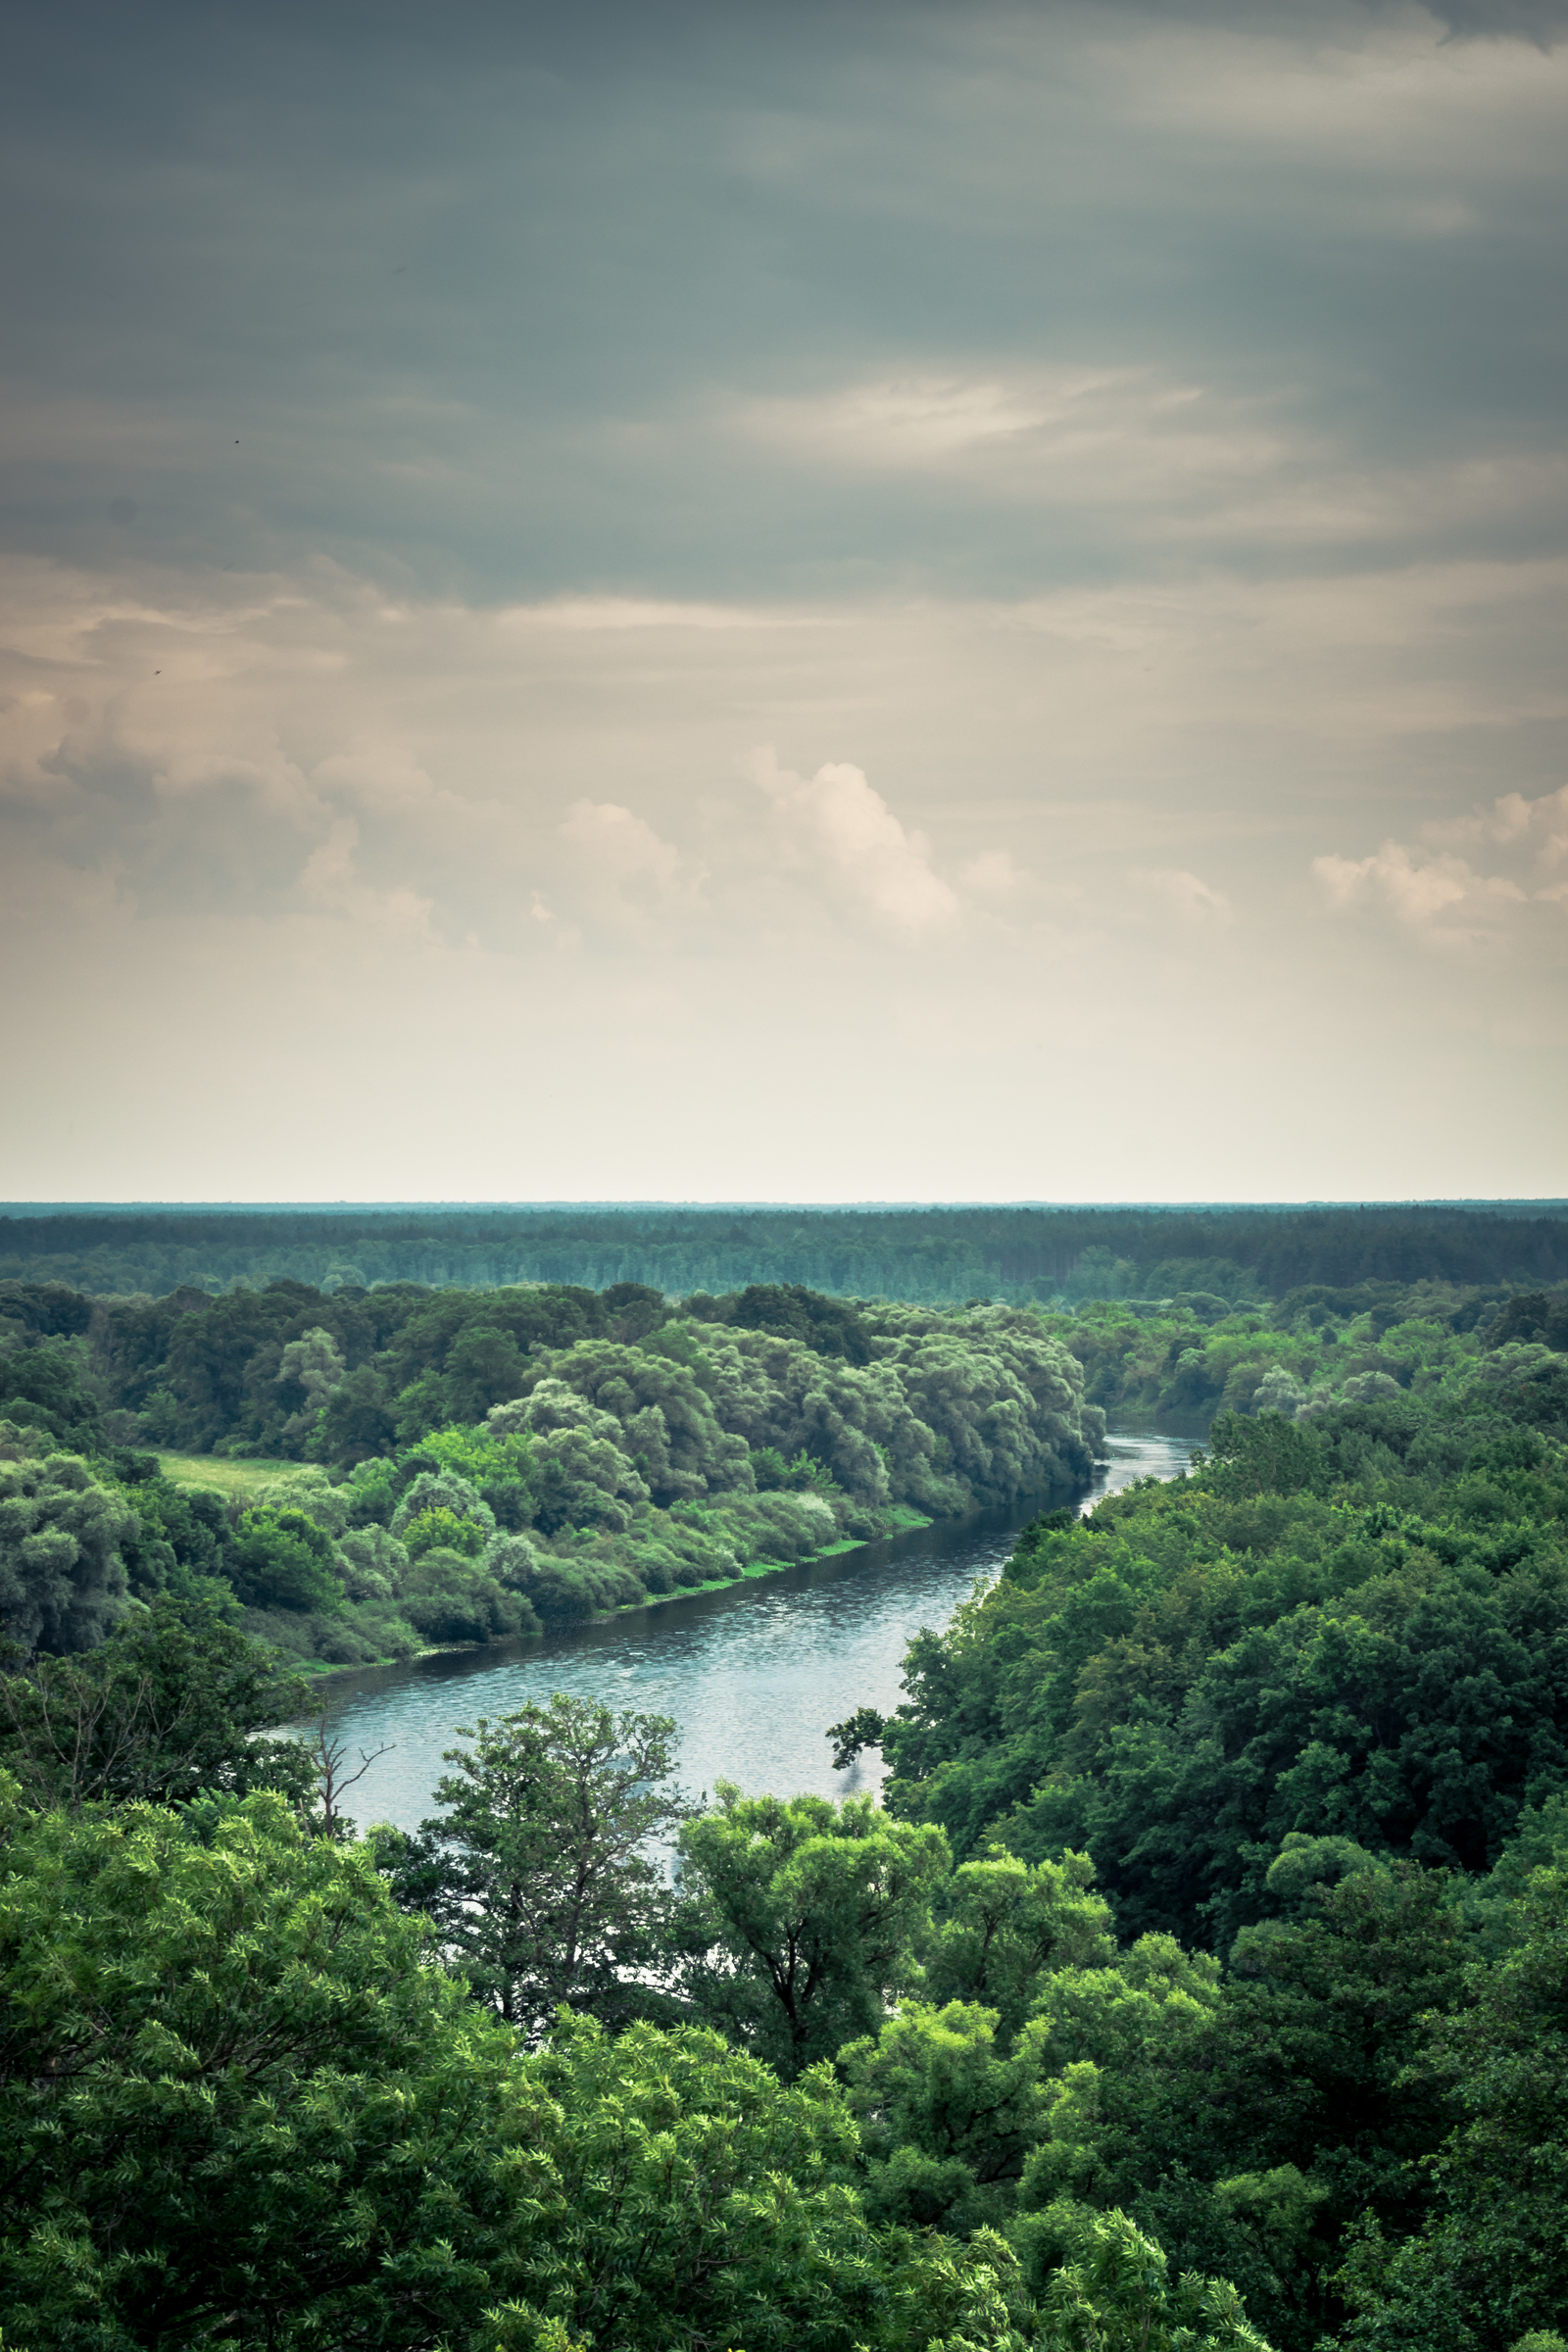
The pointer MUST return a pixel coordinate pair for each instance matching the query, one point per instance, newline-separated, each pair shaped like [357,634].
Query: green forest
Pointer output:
[933,1256]
[440,1467]
[409,1467]
[1202,1983]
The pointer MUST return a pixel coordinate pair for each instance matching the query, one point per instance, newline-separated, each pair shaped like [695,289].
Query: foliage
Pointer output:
[174,1706]
[1002,1925]
[1241,2009]
[1304,1706]
[283,1560]
[241,2106]
[624,1450]
[710,2204]
[1114,2295]
[43,1386]
[238,2103]
[815,1912]
[1355,1626]
[948,2113]
[537,1876]
[828,1326]
[61,1579]
[1492,2266]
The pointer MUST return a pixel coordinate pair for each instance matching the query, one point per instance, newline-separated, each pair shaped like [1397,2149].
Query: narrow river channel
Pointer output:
[753,1675]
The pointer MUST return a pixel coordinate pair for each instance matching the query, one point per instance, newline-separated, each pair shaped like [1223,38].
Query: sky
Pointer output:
[827,601]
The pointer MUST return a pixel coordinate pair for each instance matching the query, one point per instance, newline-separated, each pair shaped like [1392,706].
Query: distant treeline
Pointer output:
[928,1255]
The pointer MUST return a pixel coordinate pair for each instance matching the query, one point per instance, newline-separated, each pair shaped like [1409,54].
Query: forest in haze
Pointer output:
[933,1256]
[1202,1984]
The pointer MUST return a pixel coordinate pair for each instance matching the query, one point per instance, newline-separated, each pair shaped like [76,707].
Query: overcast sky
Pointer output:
[781,601]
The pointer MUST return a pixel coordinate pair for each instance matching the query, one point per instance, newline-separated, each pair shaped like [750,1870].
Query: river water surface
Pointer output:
[753,1675]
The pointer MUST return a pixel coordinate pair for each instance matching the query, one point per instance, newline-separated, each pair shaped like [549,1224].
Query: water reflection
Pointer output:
[753,1675]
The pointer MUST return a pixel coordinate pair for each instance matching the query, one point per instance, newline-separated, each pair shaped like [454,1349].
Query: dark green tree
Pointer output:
[356,1422]
[283,1560]
[43,1386]
[176,1703]
[1324,2016]
[1490,2268]
[484,1367]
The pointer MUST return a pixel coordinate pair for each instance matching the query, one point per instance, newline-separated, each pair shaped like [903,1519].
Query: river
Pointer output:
[753,1675]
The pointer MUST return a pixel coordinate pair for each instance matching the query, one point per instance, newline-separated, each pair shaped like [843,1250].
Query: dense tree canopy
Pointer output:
[236,2097]
[241,2104]
[550,1453]
[1353,1626]
[937,1256]
[1202,1986]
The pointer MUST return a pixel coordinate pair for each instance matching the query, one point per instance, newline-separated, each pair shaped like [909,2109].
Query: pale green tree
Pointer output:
[1115,2295]
[61,1579]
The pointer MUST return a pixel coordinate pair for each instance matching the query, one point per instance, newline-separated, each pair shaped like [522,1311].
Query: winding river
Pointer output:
[753,1675]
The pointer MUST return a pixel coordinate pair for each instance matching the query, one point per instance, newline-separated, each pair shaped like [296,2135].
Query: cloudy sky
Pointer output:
[825,601]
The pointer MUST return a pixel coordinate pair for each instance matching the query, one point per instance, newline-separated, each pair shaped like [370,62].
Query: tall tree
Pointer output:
[818,1912]
[539,1875]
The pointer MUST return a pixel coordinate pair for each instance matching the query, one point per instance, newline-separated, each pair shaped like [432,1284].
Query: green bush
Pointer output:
[441,1529]
[283,1560]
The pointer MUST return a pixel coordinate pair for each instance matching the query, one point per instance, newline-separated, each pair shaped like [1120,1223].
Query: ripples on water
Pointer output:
[753,1675]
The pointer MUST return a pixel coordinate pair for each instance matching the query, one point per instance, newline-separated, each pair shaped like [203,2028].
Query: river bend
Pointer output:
[753,1675]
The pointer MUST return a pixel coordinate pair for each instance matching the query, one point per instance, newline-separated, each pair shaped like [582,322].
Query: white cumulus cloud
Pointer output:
[1442,894]
[330,882]
[1418,891]
[839,823]
[620,846]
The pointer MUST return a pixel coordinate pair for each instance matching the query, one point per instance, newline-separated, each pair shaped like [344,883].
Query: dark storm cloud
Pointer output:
[1544,22]
[489,300]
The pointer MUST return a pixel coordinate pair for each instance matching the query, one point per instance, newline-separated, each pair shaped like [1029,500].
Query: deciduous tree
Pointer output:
[539,1875]
[818,1913]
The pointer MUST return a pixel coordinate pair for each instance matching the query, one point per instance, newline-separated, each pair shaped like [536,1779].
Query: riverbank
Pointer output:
[752,1672]
[905,1522]
[244,1478]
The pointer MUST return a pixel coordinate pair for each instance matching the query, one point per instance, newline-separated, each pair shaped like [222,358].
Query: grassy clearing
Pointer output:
[224,1473]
